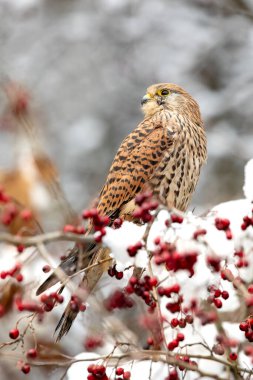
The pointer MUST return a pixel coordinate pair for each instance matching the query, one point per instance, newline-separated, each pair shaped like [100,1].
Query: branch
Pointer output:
[45,238]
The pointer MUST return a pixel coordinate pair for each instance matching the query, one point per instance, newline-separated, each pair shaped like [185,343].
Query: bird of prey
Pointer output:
[164,153]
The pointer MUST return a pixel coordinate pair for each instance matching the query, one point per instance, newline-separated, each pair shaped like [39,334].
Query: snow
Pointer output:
[214,243]
[248,184]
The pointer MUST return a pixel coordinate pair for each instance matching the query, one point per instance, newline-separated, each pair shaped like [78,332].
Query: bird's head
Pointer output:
[171,97]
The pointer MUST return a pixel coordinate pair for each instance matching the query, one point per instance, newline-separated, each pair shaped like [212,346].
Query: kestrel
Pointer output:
[165,153]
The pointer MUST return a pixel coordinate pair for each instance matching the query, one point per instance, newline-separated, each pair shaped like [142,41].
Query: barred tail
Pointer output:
[87,285]
[68,266]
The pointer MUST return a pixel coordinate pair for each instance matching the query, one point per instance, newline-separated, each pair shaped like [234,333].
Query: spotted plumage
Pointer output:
[164,153]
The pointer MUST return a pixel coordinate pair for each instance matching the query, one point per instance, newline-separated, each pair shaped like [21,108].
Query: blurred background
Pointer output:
[86,65]
[83,67]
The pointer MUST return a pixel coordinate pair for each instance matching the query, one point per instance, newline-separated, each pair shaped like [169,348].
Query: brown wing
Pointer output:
[135,162]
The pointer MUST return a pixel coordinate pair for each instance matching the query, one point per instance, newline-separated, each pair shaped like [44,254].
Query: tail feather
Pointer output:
[68,266]
[65,322]
[88,283]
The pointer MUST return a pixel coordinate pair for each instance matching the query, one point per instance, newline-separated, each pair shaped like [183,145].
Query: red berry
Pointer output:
[153,281]
[233,356]
[174,322]
[127,375]
[225,295]
[176,218]
[32,353]
[217,293]
[25,368]
[229,235]
[250,288]
[175,288]
[226,274]
[117,223]
[14,333]
[119,371]
[180,337]
[119,275]
[173,375]
[243,326]
[157,240]
[182,323]
[173,344]
[69,228]
[189,319]
[150,341]
[218,303]
[19,277]
[26,214]
[20,248]
[46,268]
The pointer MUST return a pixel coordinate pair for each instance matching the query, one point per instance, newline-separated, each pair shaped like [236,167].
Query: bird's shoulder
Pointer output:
[162,123]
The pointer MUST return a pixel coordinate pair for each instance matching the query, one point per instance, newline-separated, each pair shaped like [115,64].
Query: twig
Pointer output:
[45,238]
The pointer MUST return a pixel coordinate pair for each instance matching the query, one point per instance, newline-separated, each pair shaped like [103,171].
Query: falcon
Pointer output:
[164,153]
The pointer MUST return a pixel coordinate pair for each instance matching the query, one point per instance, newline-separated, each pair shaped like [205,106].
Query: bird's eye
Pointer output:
[165,92]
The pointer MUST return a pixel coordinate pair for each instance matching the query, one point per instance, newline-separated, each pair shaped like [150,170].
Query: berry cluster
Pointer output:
[146,204]
[242,261]
[118,300]
[76,304]
[181,322]
[166,253]
[223,224]
[79,230]
[247,328]
[96,372]
[142,288]
[93,342]
[121,374]
[175,342]
[50,300]
[226,342]
[175,306]
[184,261]
[30,306]
[13,272]
[175,218]
[168,290]
[112,271]
[133,249]
[185,359]
[214,262]
[215,294]
[99,222]
[247,222]
[11,211]
[200,232]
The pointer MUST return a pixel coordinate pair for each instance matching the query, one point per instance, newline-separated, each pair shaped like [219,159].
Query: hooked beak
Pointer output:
[145,99]
[160,101]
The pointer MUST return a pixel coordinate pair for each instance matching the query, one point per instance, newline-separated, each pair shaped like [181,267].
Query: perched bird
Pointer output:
[164,153]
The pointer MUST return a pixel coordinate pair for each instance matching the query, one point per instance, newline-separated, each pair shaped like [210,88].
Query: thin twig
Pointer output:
[45,238]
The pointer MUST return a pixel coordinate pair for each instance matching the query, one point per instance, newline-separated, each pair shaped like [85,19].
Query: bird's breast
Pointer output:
[176,177]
